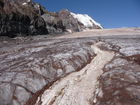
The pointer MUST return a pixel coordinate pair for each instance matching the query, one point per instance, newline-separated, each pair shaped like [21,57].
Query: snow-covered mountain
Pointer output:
[86,20]
[29,18]
[77,22]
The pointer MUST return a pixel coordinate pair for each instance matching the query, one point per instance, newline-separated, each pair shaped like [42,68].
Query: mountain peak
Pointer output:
[86,20]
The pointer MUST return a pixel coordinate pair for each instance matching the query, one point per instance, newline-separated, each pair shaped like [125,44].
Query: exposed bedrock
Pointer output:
[17,19]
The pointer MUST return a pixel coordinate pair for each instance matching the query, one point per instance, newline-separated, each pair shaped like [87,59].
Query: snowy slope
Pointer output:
[26,2]
[86,20]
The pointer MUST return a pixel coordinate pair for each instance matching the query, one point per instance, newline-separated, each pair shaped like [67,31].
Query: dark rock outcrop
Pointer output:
[69,22]
[17,19]
[53,23]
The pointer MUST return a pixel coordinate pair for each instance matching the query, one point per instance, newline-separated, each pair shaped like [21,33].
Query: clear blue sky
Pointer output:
[109,13]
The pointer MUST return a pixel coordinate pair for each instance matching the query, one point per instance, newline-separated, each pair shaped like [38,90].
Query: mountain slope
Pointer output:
[87,21]
[29,18]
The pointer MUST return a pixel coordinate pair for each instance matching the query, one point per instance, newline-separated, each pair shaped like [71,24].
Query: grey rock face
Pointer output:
[17,19]
[11,24]
[53,24]
[69,21]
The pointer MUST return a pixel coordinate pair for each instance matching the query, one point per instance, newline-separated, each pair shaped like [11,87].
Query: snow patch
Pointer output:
[24,3]
[86,20]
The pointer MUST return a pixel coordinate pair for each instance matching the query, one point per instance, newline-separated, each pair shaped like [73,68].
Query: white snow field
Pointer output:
[86,20]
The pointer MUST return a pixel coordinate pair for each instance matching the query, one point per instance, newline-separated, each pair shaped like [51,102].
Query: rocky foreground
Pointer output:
[78,87]
[91,69]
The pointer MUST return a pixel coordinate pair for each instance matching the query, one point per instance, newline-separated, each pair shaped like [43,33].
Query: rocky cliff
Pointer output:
[29,18]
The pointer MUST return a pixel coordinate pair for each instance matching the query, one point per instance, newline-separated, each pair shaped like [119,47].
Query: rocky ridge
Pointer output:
[26,17]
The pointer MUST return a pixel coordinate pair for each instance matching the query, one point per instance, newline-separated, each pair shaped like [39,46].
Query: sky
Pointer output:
[109,13]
